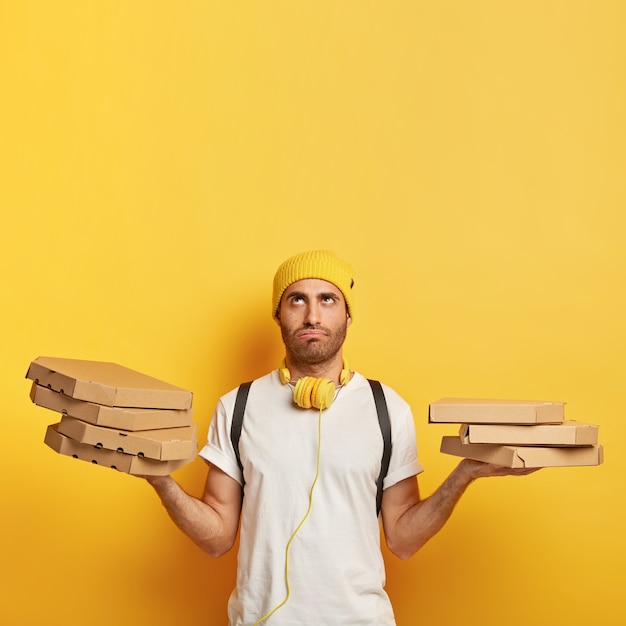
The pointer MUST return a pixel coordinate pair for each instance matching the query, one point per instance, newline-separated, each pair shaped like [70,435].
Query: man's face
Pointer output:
[313,320]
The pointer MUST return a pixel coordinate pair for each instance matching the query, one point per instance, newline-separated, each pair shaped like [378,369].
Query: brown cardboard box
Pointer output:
[112,417]
[127,463]
[524,456]
[107,383]
[167,444]
[486,411]
[568,433]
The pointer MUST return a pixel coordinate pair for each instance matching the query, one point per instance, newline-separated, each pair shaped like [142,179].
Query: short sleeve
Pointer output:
[219,448]
[404,461]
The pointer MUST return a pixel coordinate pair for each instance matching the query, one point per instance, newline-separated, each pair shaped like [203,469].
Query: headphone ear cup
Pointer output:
[314,392]
[284,373]
[323,393]
[302,392]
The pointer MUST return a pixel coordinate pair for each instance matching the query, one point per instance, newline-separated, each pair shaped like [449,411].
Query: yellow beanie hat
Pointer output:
[314,264]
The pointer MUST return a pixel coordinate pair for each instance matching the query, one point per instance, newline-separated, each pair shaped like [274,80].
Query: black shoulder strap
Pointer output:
[385,429]
[237,423]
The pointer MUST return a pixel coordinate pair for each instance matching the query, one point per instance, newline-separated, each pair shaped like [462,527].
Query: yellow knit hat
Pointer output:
[314,264]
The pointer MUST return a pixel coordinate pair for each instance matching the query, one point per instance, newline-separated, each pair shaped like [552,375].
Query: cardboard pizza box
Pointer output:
[488,411]
[106,383]
[124,418]
[167,444]
[127,463]
[524,456]
[568,433]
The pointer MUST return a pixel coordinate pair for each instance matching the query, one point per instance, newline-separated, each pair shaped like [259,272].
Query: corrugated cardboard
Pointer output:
[487,411]
[167,444]
[524,456]
[127,463]
[107,383]
[111,417]
[568,433]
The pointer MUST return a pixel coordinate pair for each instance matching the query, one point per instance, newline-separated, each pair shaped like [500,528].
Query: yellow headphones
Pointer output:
[314,392]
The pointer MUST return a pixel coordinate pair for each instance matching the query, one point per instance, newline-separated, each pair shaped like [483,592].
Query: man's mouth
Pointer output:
[310,333]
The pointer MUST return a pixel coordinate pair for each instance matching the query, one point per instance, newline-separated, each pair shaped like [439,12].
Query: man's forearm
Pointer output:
[424,519]
[197,519]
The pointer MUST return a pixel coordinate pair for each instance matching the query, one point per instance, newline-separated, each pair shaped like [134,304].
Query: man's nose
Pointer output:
[313,314]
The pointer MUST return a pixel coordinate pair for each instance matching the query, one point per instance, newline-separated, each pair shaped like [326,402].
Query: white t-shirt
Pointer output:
[336,569]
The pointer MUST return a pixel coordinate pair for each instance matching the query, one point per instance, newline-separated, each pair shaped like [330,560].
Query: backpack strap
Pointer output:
[237,423]
[385,429]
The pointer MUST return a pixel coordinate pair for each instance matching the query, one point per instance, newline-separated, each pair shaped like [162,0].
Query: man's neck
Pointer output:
[329,369]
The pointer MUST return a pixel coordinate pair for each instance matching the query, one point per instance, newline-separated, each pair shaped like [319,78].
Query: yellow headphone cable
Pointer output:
[299,526]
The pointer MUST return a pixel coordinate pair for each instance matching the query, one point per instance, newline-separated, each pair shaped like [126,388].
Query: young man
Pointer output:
[303,480]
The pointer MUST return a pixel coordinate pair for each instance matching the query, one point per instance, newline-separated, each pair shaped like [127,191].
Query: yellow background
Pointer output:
[159,159]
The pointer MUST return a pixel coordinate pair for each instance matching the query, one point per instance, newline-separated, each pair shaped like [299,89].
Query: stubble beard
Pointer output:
[314,351]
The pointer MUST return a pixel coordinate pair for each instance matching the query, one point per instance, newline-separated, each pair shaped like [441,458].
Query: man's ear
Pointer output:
[277,317]
[348,320]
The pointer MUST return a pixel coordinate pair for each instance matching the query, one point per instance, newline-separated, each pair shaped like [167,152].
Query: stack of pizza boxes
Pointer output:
[516,433]
[115,416]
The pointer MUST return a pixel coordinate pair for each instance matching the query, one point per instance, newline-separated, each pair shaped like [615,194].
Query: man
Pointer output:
[306,498]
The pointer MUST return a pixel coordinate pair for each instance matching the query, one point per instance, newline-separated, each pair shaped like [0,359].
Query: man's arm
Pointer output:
[409,522]
[212,521]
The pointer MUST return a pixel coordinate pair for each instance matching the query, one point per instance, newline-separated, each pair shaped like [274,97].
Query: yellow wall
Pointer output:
[159,159]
